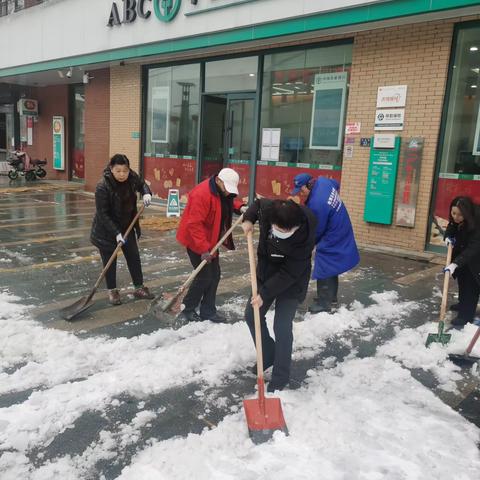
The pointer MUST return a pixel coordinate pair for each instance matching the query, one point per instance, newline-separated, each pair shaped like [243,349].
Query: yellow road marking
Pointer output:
[64,220]
[41,240]
[41,232]
[39,266]
[47,216]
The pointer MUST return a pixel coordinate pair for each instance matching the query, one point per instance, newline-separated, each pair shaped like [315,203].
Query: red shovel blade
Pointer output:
[264,420]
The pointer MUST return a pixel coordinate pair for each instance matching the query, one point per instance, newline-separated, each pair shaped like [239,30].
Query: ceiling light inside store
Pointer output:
[474,49]
[283,90]
[476,70]
[251,74]
[473,86]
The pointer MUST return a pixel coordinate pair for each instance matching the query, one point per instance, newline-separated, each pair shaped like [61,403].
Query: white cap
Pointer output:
[230,179]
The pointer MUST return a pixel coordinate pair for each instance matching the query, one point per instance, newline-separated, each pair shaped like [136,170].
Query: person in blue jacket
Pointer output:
[336,250]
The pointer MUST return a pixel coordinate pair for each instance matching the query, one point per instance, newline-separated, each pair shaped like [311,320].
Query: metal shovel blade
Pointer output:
[442,338]
[163,316]
[439,337]
[264,420]
[70,312]
[463,360]
[166,308]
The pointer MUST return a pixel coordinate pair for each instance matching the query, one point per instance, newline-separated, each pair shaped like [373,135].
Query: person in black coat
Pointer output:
[287,239]
[463,232]
[116,207]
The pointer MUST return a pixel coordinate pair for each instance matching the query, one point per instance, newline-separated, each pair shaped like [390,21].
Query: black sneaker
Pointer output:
[458,322]
[319,308]
[215,318]
[188,316]
[272,386]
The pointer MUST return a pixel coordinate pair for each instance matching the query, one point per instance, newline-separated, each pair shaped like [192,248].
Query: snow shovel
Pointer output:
[167,307]
[70,312]
[466,360]
[440,336]
[264,415]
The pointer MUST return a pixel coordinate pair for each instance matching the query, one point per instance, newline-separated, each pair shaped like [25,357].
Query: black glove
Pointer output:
[206,256]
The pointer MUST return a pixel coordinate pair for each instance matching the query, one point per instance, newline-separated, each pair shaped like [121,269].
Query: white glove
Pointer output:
[120,238]
[450,241]
[243,208]
[147,199]
[451,268]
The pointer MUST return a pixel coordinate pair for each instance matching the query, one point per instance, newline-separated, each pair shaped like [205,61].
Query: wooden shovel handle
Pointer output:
[443,308]
[256,310]
[192,276]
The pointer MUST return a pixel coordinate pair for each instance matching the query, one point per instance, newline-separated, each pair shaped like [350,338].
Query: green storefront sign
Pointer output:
[58,132]
[381,182]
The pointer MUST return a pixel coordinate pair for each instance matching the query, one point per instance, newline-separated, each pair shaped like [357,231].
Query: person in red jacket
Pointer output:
[207,216]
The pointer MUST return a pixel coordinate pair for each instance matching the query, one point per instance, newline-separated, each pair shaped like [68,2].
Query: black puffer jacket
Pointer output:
[116,205]
[284,266]
[466,252]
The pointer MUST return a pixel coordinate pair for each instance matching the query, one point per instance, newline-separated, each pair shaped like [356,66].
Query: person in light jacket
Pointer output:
[336,250]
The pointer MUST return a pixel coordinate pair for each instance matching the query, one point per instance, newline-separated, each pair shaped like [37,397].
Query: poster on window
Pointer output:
[328,112]
[476,142]
[160,114]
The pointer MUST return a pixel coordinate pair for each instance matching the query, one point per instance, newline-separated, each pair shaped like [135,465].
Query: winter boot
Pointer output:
[455,307]
[459,322]
[143,293]
[114,297]
[215,318]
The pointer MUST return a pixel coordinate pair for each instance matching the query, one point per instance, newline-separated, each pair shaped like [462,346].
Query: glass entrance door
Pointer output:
[227,135]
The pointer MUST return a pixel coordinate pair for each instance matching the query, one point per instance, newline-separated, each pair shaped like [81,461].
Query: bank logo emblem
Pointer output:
[166,10]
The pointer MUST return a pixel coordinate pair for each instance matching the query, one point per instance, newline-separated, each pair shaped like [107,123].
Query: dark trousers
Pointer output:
[132,256]
[468,293]
[203,289]
[327,290]
[276,352]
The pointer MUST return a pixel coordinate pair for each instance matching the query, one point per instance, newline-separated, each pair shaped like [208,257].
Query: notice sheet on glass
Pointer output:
[160,114]
[328,112]
[271,144]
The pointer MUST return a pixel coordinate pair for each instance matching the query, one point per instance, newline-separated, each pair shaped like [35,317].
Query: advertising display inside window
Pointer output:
[459,155]
[172,116]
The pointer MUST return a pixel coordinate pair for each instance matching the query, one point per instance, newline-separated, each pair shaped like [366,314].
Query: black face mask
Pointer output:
[231,196]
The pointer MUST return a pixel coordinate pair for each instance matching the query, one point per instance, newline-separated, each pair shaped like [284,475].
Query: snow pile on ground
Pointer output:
[362,419]
[408,348]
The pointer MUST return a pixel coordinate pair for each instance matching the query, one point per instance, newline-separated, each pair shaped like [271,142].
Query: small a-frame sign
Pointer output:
[173,203]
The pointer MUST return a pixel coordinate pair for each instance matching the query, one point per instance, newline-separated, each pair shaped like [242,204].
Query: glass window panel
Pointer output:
[238,74]
[463,107]
[288,94]
[172,110]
